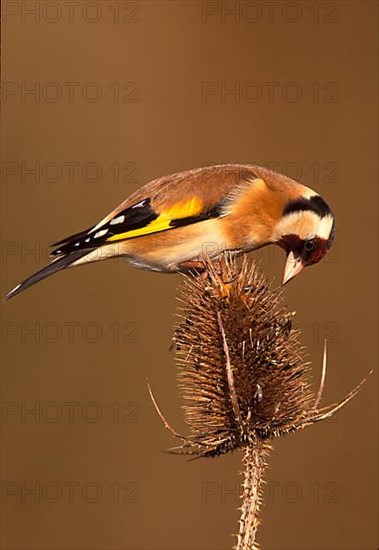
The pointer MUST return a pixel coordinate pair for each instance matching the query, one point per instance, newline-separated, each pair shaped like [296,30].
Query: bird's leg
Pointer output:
[197,267]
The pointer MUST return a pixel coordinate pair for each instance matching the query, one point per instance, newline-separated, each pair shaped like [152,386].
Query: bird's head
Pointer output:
[305,231]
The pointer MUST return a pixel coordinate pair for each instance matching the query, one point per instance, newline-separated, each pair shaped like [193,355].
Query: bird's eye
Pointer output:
[310,244]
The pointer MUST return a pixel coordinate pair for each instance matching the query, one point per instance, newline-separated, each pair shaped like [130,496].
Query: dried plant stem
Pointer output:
[255,461]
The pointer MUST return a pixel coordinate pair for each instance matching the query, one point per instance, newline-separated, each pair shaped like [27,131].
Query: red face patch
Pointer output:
[310,251]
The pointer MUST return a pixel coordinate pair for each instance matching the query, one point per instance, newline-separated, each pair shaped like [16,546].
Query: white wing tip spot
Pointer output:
[140,204]
[100,233]
[117,220]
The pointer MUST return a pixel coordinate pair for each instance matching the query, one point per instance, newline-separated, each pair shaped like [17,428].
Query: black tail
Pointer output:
[55,266]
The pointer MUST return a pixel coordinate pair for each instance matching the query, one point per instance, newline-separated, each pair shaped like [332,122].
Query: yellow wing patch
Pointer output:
[183,209]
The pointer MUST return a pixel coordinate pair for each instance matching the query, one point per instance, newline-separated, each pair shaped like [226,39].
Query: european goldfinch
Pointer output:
[172,222]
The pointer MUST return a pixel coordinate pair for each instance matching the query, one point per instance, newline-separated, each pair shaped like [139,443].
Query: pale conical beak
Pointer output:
[293,268]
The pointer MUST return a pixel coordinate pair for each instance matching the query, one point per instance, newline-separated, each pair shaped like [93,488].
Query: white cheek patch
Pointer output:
[295,224]
[305,224]
[325,227]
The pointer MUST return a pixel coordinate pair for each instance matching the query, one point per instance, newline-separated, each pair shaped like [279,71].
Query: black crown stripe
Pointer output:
[315,204]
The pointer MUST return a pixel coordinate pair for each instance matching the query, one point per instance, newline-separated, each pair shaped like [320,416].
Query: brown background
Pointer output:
[325,493]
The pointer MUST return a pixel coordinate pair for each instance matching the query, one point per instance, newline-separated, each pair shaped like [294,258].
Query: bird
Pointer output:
[171,223]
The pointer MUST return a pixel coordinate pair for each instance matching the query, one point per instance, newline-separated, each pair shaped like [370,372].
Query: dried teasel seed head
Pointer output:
[241,370]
